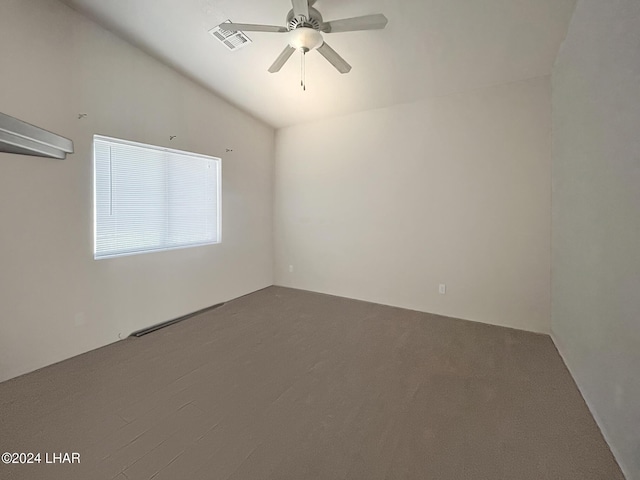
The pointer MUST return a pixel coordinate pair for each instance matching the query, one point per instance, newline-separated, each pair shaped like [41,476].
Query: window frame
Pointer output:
[218,166]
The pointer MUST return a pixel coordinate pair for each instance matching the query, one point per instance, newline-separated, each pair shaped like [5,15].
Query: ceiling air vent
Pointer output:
[231,40]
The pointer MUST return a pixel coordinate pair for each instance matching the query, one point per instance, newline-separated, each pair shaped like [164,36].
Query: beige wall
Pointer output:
[55,300]
[596,216]
[385,205]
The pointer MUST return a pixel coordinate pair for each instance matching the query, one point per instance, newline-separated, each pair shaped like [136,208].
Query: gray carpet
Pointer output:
[286,384]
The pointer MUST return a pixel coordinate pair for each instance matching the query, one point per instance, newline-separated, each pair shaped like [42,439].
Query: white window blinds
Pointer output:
[151,198]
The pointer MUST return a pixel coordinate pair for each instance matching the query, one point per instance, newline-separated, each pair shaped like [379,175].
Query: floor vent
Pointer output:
[153,328]
[231,40]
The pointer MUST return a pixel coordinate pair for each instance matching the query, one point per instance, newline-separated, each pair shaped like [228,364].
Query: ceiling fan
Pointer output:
[305,27]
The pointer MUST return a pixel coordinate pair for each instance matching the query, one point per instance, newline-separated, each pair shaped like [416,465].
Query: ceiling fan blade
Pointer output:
[334,59]
[282,59]
[301,7]
[246,27]
[367,22]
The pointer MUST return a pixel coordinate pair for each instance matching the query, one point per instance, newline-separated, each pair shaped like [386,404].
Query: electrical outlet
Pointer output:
[442,289]
[290,268]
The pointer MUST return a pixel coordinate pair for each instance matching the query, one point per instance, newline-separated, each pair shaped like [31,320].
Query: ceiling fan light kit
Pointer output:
[305,26]
[305,39]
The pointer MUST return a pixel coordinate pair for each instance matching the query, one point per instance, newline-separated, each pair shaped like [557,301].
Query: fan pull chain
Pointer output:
[303,71]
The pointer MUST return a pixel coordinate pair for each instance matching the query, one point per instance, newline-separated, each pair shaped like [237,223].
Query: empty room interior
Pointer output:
[300,239]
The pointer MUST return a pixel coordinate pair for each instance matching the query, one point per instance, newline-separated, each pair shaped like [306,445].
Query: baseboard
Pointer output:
[413,308]
[158,326]
[145,331]
[592,410]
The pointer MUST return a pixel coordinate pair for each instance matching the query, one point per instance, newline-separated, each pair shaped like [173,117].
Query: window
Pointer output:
[151,198]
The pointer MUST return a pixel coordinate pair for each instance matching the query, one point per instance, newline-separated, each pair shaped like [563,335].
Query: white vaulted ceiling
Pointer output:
[429,48]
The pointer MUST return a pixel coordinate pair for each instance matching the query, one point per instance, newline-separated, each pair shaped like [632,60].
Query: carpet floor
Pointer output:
[287,384]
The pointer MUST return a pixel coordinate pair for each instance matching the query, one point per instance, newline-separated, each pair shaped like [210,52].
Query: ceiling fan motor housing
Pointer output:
[314,22]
